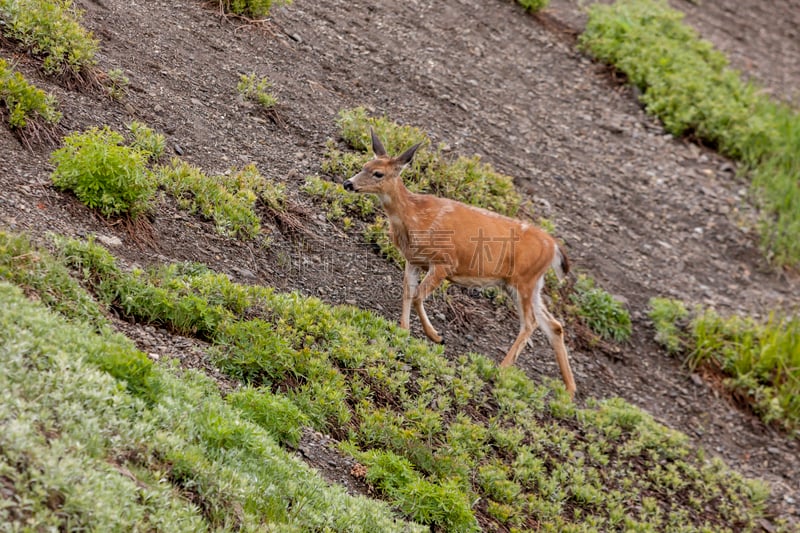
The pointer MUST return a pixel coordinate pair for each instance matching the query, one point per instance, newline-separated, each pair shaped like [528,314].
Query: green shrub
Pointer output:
[666,314]
[52,29]
[228,200]
[257,89]
[251,8]
[339,202]
[25,102]
[605,315]
[104,174]
[532,6]
[445,505]
[146,140]
[689,86]
[116,85]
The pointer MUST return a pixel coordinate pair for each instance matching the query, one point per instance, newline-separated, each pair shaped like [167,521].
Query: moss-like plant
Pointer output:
[104,173]
[533,6]
[666,314]
[443,441]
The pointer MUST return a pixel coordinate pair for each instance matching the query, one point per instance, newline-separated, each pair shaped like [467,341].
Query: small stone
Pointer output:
[154,356]
[773,450]
[178,149]
[109,240]
[697,380]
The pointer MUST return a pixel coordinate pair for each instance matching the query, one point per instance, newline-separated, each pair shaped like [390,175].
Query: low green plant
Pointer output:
[605,315]
[423,425]
[146,140]
[277,414]
[52,29]
[441,505]
[533,6]
[666,315]
[760,359]
[377,234]
[339,202]
[27,105]
[228,200]
[103,173]
[257,9]
[257,89]
[116,84]
[78,449]
[763,360]
[40,274]
[688,84]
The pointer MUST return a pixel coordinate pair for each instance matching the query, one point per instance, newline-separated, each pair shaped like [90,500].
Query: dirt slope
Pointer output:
[644,213]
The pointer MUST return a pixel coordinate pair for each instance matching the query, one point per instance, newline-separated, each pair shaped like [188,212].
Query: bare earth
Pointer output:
[644,213]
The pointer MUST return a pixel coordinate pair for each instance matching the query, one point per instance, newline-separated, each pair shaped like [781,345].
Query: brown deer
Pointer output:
[468,246]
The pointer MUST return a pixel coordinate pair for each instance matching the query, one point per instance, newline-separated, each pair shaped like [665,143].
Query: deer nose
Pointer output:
[348,185]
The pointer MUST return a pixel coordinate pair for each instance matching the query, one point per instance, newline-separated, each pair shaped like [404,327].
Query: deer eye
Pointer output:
[377,174]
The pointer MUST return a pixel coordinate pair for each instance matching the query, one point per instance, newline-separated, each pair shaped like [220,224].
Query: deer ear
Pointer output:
[377,146]
[407,156]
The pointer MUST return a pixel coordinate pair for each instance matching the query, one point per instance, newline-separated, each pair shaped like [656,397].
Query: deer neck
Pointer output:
[396,202]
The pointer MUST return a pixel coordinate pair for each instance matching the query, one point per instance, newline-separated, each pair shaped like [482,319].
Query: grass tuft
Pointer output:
[760,359]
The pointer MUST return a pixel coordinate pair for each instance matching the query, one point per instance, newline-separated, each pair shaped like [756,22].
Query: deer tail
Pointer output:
[560,263]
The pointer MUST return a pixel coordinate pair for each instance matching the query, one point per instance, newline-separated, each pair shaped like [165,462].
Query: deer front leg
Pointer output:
[410,283]
[436,274]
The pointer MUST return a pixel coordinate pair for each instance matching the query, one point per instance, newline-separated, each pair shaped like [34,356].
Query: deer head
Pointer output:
[382,174]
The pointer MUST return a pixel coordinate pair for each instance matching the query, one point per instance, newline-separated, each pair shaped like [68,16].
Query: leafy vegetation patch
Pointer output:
[52,29]
[437,436]
[228,200]
[257,89]
[690,87]
[761,359]
[604,314]
[256,9]
[104,173]
[29,108]
[100,438]
[533,6]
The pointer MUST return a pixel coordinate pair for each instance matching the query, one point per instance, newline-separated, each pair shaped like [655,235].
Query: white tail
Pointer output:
[468,246]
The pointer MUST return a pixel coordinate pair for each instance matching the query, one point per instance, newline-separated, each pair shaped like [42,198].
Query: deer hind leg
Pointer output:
[434,277]
[527,323]
[410,283]
[555,334]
